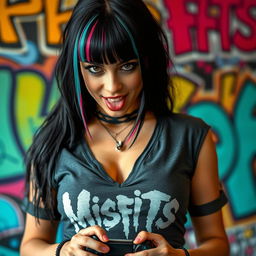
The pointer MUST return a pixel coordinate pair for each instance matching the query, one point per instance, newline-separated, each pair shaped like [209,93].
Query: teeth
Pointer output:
[115,99]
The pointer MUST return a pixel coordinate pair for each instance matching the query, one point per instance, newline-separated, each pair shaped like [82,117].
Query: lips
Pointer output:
[115,103]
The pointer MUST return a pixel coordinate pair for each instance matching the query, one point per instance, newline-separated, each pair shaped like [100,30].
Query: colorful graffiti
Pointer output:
[202,19]
[213,44]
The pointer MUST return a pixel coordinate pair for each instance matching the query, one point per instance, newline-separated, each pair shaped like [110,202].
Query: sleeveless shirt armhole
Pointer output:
[208,208]
[29,207]
[203,136]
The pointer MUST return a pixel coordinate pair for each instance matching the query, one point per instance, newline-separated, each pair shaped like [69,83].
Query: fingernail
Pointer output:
[104,249]
[137,239]
[105,237]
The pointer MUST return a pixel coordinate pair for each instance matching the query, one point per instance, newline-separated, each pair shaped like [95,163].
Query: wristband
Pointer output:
[60,245]
[186,251]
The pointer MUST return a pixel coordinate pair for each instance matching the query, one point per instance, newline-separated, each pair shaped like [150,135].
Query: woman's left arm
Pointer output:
[209,229]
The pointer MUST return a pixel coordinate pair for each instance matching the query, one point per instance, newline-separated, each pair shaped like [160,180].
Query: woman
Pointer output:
[111,159]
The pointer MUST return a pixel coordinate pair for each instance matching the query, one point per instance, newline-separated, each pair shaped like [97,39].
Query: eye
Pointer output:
[95,70]
[130,66]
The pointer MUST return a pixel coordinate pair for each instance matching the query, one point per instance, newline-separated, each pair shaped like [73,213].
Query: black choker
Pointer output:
[117,120]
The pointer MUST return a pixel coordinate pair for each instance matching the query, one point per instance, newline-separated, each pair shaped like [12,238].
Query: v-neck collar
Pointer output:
[92,159]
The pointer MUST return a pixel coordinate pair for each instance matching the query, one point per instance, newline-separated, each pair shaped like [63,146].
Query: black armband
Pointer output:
[208,208]
[60,245]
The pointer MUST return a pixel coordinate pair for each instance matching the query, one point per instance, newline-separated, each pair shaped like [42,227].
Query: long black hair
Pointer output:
[115,30]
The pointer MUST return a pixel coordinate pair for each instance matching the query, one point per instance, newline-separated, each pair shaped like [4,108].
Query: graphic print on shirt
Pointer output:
[122,210]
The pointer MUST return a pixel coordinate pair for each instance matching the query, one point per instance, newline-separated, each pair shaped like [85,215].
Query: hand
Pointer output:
[162,247]
[75,247]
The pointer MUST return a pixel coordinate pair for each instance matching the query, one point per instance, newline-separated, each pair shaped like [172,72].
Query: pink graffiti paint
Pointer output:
[15,189]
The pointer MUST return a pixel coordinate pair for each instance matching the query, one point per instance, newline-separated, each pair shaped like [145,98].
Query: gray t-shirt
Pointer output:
[154,197]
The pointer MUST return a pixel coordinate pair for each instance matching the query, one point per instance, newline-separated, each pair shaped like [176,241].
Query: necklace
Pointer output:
[117,120]
[119,143]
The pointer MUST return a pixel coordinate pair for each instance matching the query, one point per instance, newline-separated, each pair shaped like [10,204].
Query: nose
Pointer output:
[112,82]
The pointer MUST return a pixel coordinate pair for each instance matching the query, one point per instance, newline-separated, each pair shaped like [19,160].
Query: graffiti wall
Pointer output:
[213,46]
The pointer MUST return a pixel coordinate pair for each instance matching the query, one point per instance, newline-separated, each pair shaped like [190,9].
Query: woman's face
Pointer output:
[115,87]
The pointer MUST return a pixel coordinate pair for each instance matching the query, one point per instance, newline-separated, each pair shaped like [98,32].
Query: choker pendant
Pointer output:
[119,145]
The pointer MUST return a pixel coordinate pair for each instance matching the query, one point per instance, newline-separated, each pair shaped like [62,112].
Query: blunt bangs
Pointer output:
[106,40]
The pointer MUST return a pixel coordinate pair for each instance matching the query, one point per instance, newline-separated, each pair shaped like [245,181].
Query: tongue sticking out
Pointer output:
[115,104]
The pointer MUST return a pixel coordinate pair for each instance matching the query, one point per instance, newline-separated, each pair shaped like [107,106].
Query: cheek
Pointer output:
[136,82]
[90,85]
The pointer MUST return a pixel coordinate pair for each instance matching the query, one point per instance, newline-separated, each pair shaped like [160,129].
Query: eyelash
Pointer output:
[132,64]
[89,68]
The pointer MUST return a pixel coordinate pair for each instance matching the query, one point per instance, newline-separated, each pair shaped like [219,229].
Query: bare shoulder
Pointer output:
[205,182]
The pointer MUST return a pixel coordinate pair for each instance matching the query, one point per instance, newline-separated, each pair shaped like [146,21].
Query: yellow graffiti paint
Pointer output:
[228,97]
[29,100]
[183,89]
[69,3]
[154,12]
[248,233]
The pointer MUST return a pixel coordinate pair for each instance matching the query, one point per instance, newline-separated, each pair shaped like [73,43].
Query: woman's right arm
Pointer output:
[39,237]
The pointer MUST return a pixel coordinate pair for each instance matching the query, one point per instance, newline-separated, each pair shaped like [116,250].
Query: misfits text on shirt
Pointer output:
[154,209]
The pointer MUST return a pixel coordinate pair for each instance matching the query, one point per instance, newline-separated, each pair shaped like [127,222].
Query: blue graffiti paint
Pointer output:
[27,58]
[241,184]
[60,234]
[11,225]
[12,160]
[14,243]
[224,62]
[11,217]
[5,156]
[7,252]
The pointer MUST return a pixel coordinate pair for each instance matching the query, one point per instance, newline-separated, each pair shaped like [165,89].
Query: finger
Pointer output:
[92,243]
[155,238]
[95,230]
[84,243]
[83,239]
[95,246]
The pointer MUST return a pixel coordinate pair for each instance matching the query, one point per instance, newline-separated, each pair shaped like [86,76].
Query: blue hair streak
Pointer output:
[82,52]
[78,54]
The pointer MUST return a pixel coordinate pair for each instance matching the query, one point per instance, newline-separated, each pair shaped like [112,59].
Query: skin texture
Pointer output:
[115,87]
